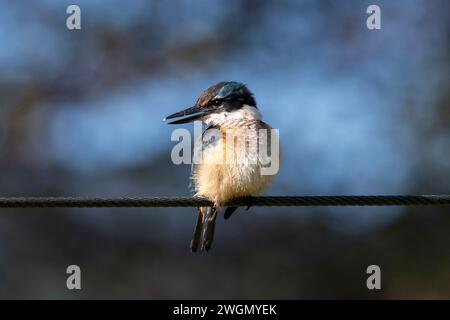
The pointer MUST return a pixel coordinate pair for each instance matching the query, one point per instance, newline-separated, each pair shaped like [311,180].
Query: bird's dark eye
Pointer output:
[216,102]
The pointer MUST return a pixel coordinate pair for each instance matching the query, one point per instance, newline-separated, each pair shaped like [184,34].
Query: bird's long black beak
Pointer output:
[185,116]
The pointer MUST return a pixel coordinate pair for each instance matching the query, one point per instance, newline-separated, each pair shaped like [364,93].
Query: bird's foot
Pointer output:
[248,202]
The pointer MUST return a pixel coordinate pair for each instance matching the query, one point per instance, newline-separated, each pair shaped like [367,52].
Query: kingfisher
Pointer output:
[226,169]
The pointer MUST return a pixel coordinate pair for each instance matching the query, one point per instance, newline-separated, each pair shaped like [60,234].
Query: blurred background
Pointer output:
[359,112]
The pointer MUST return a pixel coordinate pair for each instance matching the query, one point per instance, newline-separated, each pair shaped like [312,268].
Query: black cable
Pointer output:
[81,202]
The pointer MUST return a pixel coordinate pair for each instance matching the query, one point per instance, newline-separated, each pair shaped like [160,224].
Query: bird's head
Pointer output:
[222,102]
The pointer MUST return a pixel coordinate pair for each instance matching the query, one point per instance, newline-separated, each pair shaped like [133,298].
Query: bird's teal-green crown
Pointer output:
[227,91]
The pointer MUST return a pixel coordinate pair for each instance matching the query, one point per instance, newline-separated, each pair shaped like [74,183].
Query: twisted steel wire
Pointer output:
[270,201]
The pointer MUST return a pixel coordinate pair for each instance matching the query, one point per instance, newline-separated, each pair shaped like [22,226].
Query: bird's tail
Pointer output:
[197,237]
[208,227]
[204,229]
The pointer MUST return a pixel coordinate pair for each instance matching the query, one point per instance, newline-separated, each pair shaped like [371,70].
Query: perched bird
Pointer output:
[227,169]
